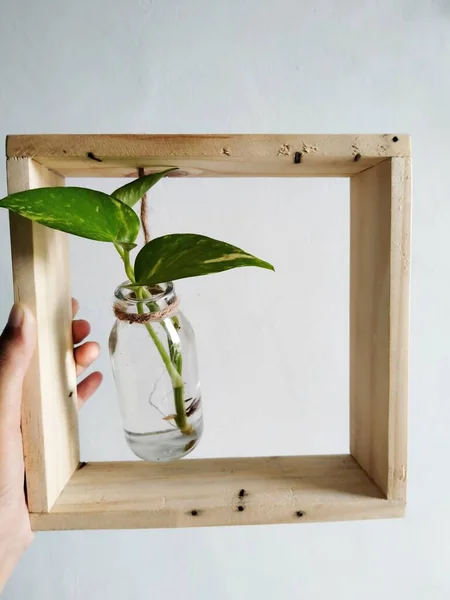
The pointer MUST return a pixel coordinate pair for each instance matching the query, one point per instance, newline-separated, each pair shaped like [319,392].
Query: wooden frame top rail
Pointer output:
[217,155]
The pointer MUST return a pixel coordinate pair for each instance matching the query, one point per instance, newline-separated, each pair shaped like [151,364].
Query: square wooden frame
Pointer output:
[367,483]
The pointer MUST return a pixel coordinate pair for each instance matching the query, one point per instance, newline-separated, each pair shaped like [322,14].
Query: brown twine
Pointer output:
[140,319]
[144,211]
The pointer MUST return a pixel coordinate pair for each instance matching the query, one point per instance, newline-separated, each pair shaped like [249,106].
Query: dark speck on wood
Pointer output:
[92,156]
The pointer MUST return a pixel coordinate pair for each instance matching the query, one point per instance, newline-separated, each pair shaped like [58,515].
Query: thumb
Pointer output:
[16,350]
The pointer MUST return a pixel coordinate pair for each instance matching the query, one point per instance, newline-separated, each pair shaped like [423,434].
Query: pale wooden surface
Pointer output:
[41,281]
[399,330]
[275,490]
[257,155]
[379,322]
[122,495]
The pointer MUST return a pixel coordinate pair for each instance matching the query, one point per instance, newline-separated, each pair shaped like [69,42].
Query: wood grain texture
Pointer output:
[379,322]
[369,484]
[399,330]
[40,263]
[209,155]
[211,492]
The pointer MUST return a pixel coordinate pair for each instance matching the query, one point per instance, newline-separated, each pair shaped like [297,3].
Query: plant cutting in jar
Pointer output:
[152,344]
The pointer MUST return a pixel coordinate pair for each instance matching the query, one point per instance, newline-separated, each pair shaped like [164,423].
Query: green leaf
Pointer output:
[182,255]
[80,211]
[132,192]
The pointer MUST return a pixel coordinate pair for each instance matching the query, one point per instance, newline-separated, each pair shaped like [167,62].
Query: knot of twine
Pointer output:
[122,314]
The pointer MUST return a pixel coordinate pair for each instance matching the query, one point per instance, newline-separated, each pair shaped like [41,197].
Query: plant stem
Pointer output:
[175,376]
[125,256]
[177,360]
[128,268]
[173,363]
[180,405]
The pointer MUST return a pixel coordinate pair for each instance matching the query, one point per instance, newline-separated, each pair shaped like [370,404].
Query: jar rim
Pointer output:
[124,291]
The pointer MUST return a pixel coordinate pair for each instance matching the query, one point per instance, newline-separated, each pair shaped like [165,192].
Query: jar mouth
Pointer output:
[125,292]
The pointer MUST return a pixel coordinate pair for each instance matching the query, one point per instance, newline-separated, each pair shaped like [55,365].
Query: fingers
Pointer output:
[88,386]
[17,344]
[80,330]
[85,355]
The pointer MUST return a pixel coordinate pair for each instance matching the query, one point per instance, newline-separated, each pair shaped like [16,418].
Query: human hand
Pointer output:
[17,343]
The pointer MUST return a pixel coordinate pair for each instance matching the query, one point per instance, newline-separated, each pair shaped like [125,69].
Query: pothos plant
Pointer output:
[111,218]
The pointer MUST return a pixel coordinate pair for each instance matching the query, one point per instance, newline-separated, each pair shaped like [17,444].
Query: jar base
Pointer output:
[163,446]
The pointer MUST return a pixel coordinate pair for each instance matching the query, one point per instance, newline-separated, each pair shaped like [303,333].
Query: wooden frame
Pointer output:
[369,482]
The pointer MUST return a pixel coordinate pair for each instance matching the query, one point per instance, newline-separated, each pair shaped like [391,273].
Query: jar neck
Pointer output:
[133,299]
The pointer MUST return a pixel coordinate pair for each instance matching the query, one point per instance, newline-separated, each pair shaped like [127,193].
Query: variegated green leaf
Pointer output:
[132,192]
[182,255]
[80,211]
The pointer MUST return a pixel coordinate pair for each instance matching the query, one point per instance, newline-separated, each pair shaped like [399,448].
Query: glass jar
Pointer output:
[154,359]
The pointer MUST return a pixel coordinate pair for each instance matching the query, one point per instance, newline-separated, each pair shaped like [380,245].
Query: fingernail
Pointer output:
[16,316]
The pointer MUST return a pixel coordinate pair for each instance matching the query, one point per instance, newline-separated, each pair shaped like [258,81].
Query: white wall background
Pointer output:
[253,66]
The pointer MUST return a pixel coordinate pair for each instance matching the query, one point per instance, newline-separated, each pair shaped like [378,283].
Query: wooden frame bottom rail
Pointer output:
[212,492]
